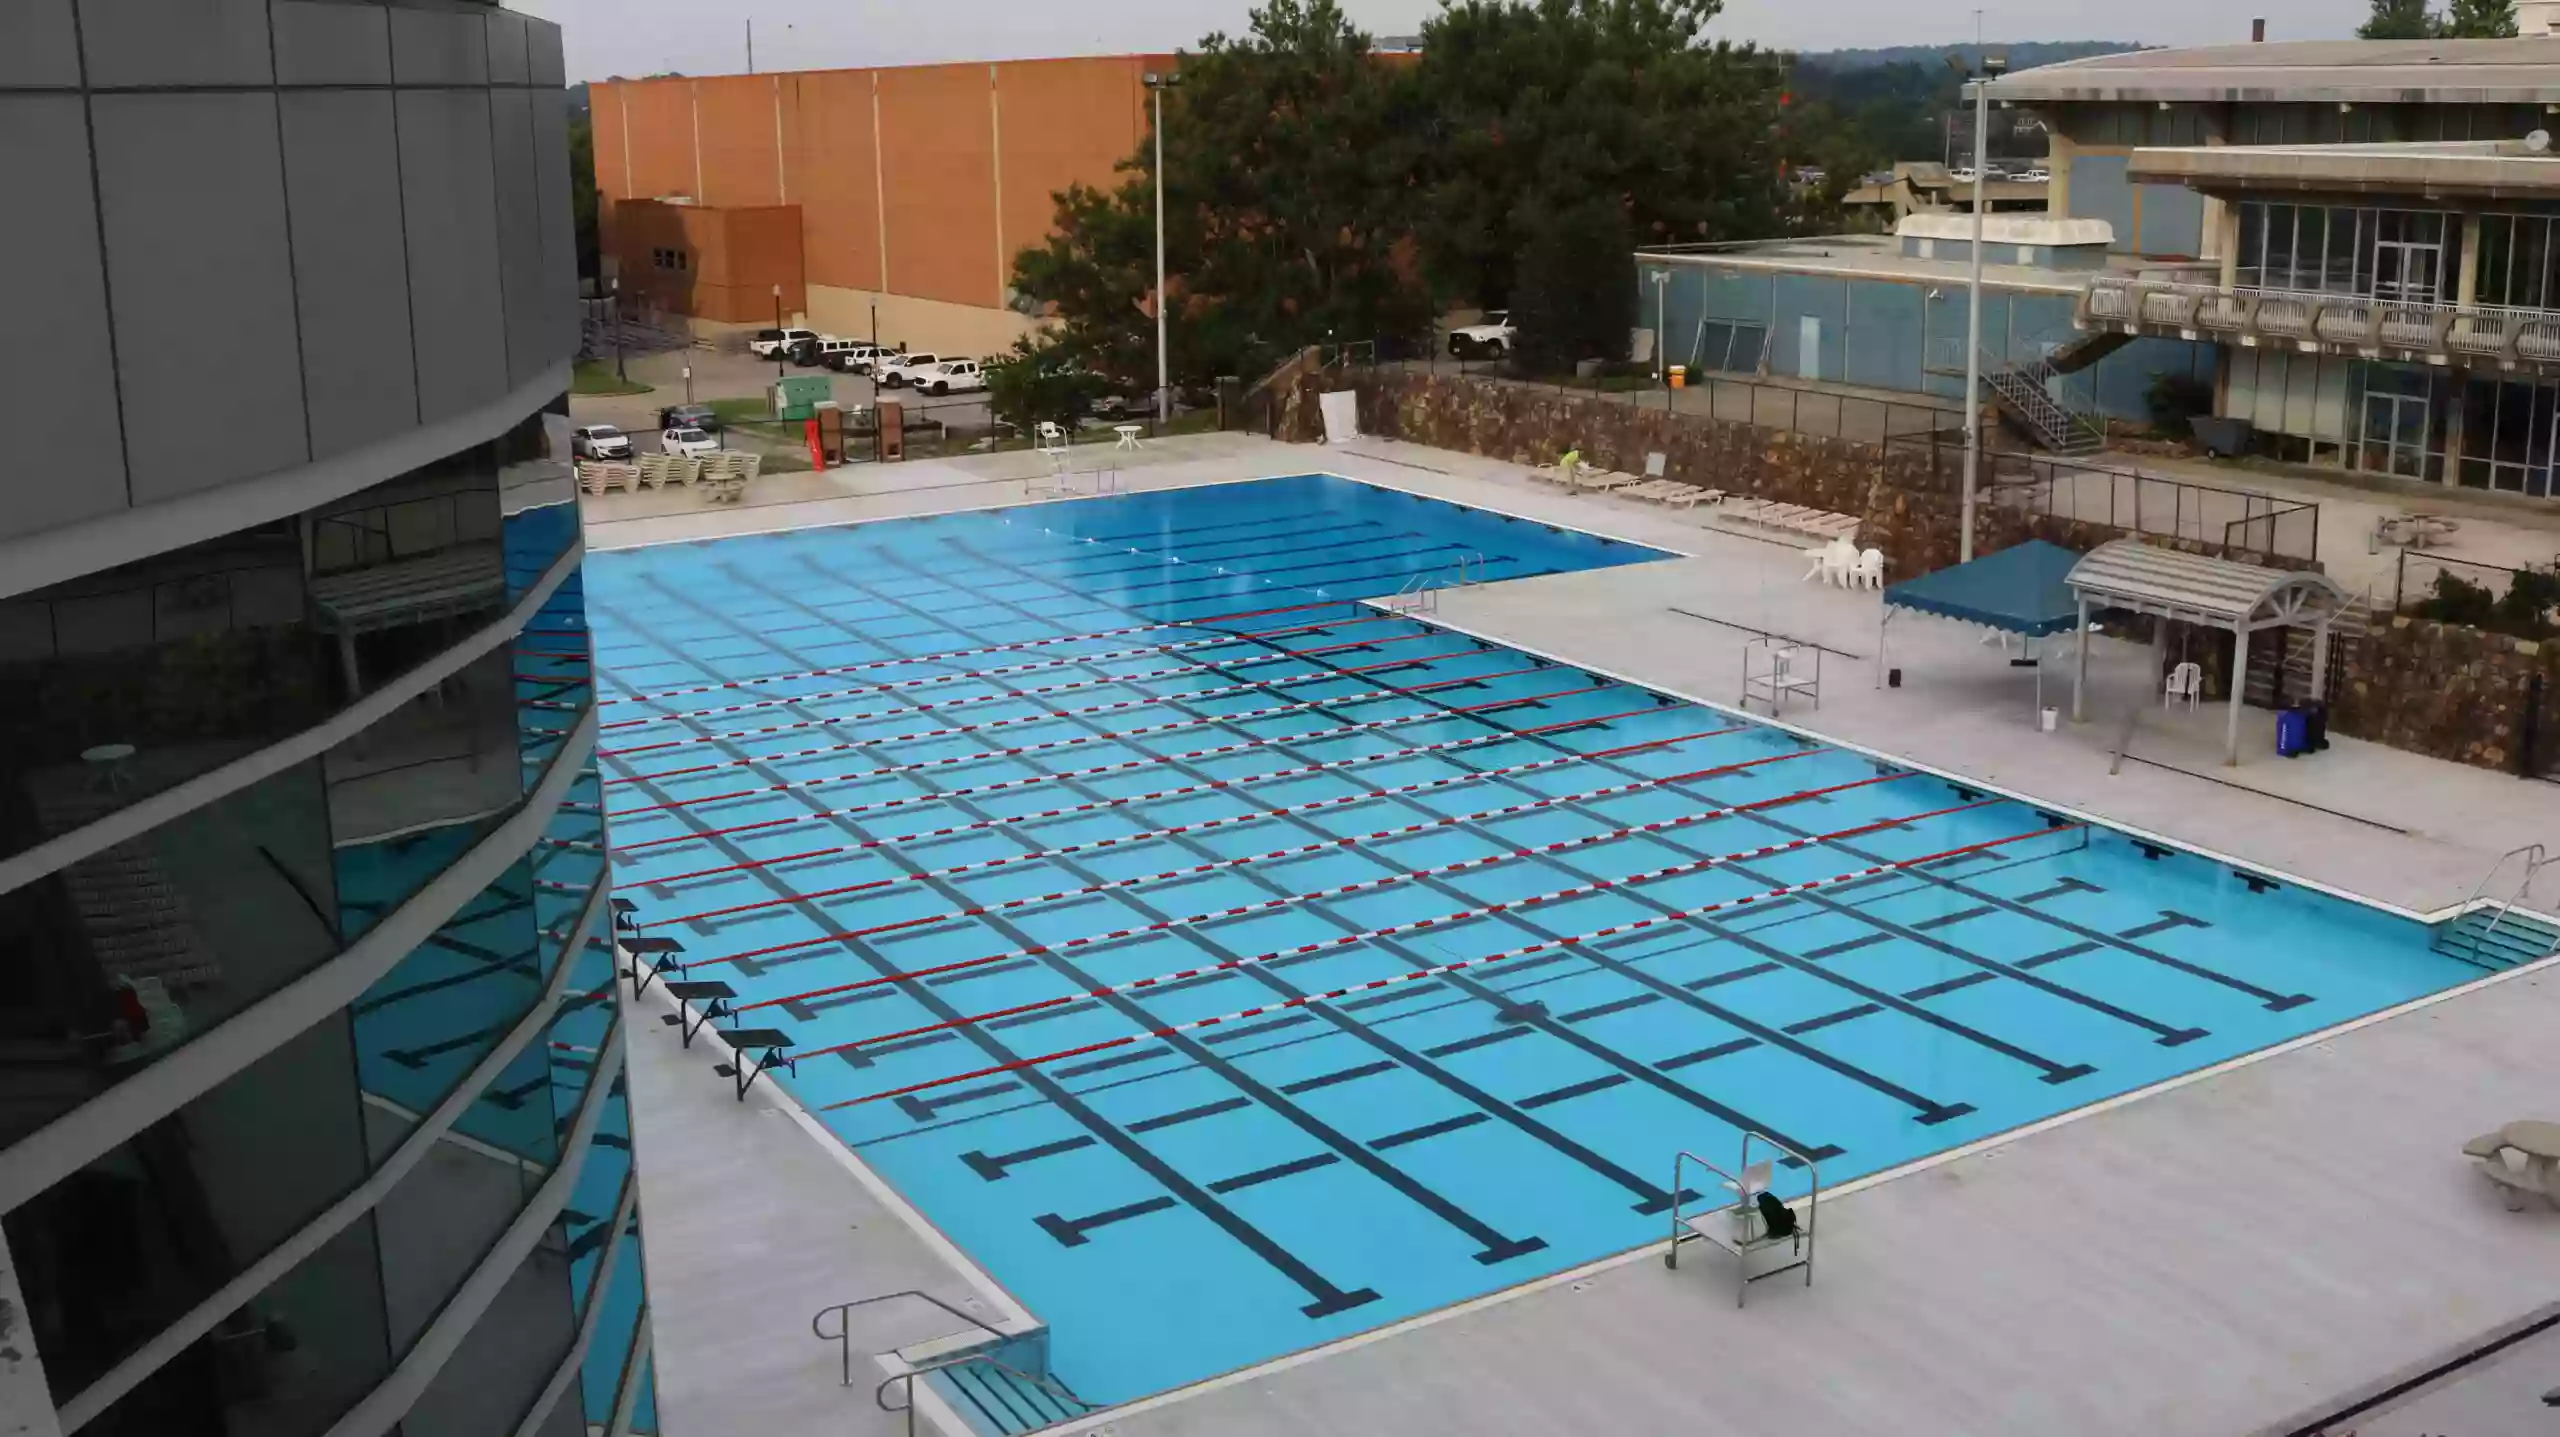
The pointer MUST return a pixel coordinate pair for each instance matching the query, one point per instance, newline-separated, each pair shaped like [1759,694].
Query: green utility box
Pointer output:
[799,396]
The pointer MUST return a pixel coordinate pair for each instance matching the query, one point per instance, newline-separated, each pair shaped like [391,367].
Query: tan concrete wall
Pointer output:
[929,324]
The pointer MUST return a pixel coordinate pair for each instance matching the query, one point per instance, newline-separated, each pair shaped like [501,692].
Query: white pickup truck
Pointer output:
[951,376]
[892,370]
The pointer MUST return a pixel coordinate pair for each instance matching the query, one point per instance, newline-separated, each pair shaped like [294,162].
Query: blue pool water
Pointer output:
[917,868]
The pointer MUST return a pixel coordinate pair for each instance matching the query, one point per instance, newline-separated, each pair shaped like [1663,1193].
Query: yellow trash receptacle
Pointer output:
[1679,376]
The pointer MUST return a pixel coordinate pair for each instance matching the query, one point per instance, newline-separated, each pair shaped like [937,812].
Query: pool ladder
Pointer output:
[2488,932]
[1421,593]
[1007,1397]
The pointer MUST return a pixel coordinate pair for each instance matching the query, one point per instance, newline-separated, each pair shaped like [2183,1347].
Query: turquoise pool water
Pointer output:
[1040,830]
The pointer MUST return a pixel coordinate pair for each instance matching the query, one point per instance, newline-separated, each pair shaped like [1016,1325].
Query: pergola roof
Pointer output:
[2129,574]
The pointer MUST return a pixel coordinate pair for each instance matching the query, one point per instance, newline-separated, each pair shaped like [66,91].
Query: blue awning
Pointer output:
[2020,590]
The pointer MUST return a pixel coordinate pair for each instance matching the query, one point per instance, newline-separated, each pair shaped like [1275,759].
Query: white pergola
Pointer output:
[2218,593]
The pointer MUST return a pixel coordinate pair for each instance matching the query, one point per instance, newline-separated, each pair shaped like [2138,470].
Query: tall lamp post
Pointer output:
[777,325]
[1992,66]
[613,312]
[1157,83]
[1661,332]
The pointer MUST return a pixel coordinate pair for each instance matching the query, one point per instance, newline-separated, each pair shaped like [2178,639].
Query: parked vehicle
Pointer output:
[690,442]
[891,371]
[599,441]
[952,376]
[1490,339]
[690,416]
[851,356]
[810,353]
[769,341]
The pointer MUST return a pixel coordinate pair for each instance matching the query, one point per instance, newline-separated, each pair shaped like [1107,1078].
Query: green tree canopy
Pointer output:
[2480,20]
[1573,295]
[2398,20]
[1533,106]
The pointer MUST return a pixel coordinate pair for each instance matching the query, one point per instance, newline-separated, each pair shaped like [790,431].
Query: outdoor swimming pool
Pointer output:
[1037,829]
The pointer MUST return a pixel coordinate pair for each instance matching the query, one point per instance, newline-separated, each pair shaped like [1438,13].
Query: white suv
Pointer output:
[769,342]
[951,376]
[892,370]
[1489,340]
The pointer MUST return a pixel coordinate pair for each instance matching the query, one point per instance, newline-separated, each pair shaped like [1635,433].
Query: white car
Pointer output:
[951,376]
[599,441]
[691,443]
[769,342]
[892,370]
[1490,339]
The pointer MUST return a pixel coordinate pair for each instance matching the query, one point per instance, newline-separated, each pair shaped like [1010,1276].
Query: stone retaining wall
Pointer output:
[2452,692]
[1907,496]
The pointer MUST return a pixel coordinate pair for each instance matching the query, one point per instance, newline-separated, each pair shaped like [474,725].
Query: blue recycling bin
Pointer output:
[2293,732]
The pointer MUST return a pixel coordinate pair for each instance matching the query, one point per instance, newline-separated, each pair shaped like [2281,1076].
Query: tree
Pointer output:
[1288,160]
[2398,20]
[2480,20]
[582,191]
[1573,296]
[1040,378]
[1533,105]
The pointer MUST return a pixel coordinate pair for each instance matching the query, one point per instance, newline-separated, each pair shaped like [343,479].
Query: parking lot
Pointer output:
[718,375]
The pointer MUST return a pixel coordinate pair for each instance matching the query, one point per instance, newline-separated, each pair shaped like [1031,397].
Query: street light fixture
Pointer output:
[1661,331]
[613,312]
[779,336]
[1993,66]
[1157,83]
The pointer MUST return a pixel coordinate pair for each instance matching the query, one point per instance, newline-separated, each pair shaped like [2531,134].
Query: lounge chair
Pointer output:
[1603,480]
[1560,472]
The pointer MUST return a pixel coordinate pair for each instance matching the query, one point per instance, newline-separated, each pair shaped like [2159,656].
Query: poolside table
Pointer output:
[2540,1144]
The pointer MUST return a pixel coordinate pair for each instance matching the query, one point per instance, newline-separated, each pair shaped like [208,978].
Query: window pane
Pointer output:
[490,1382]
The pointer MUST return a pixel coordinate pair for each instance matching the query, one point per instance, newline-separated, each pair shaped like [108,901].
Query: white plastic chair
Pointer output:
[2186,681]
[1871,569]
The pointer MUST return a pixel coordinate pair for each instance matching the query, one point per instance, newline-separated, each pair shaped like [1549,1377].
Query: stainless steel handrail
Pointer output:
[2535,859]
[843,1335]
[907,1380]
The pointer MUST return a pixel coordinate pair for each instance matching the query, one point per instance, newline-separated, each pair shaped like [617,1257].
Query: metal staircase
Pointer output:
[2029,394]
[2346,634]
[2489,932]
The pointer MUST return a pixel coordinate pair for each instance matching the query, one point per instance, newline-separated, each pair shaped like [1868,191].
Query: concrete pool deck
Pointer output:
[2276,1234]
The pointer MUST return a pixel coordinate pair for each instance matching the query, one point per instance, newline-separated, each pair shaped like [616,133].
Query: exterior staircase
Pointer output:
[2497,937]
[2027,394]
[2090,347]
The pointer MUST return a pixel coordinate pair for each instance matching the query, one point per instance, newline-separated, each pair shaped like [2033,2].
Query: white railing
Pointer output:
[2363,322]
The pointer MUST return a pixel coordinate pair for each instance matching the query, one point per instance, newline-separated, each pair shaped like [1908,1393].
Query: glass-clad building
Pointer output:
[312,1111]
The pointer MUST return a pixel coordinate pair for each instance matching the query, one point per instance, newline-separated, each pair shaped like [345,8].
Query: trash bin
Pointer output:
[2316,719]
[2293,733]
[1679,376]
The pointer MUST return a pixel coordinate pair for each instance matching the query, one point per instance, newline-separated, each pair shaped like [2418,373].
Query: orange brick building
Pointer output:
[909,188]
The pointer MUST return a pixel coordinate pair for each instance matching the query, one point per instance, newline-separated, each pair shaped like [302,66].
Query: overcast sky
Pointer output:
[707,37]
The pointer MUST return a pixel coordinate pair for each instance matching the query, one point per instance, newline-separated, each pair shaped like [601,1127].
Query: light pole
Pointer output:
[613,312]
[779,336]
[1157,83]
[1992,65]
[1661,324]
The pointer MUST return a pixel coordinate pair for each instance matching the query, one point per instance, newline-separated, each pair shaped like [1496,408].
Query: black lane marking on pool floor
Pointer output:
[1627,1065]
[1429,1130]
[994,1167]
[1070,1233]
[1493,1246]
[1277,1171]
[1929,1110]
[1326,1297]
[1189,1115]
[1650,1196]
[2168,919]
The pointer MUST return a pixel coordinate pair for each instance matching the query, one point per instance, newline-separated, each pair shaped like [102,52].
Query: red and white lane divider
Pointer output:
[796,784]
[1425,787]
[1079,685]
[1102,804]
[1367,884]
[1573,940]
[797,726]
[897,685]
[1116,841]
[948,655]
[1083,740]
[1694,866]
